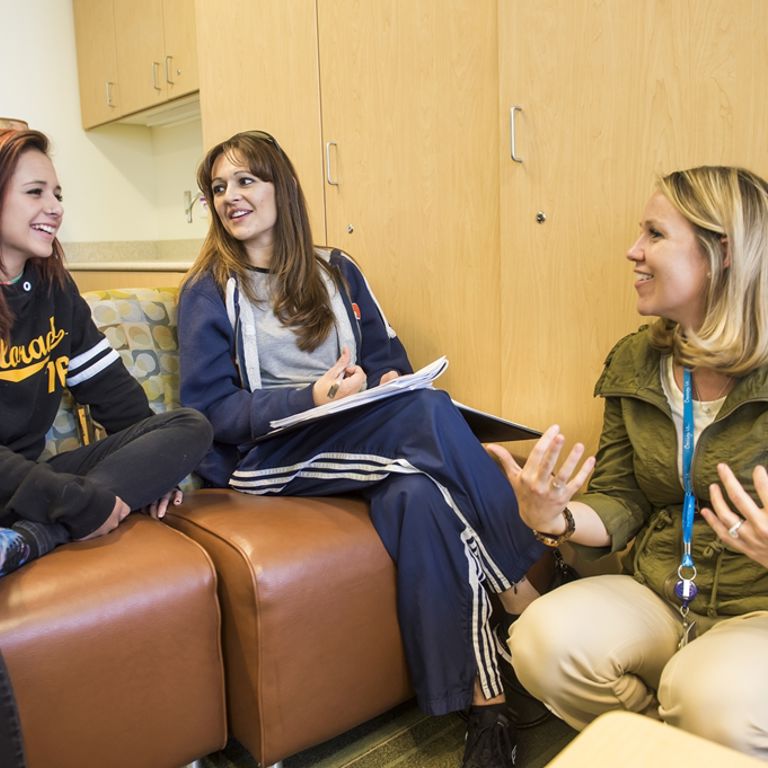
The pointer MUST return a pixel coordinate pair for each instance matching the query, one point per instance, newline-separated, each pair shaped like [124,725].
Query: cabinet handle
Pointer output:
[109,85]
[156,75]
[512,143]
[328,145]
[168,69]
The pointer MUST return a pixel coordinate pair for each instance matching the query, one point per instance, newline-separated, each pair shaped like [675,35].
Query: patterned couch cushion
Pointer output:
[140,324]
[63,434]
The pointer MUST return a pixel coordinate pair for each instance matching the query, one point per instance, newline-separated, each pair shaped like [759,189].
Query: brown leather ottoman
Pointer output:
[113,649]
[311,640]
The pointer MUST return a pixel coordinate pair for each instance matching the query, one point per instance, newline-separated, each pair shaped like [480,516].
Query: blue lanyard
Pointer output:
[685,588]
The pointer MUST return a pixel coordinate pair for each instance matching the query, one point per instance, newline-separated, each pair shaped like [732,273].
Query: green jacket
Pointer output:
[636,489]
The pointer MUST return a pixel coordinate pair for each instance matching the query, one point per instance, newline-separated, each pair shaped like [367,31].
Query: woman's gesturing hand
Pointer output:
[340,380]
[542,493]
[746,529]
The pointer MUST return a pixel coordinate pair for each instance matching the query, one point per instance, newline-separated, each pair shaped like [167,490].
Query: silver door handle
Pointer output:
[168,69]
[328,145]
[156,75]
[512,135]
[109,85]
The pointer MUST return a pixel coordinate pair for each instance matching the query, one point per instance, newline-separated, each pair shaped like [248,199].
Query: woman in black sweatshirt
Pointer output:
[48,342]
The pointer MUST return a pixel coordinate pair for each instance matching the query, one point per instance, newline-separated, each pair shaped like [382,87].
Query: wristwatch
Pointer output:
[555,540]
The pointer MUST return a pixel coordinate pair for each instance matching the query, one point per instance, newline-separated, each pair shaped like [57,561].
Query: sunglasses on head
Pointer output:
[263,135]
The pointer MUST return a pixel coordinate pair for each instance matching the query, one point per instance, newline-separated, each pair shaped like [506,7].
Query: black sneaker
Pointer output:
[525,710]
[491,740]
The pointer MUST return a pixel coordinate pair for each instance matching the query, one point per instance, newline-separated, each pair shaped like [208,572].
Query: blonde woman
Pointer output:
[681,635]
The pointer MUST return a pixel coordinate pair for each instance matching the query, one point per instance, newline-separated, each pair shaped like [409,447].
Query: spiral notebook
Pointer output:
[485,426]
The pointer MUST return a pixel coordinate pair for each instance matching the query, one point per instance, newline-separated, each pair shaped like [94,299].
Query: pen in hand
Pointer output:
[334,388]
[340,380]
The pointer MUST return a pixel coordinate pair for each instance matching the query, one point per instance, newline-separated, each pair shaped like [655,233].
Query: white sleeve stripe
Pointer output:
[93,370]
[390,330]
[83,358]
[231,300]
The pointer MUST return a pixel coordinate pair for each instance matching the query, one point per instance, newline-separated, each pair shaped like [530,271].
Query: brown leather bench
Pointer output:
[113,649]
[113,645]
[307,591]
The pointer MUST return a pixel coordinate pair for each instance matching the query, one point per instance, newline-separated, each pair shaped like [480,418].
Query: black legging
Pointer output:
[139,464]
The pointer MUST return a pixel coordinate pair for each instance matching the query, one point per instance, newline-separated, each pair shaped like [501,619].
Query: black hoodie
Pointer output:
[54,344]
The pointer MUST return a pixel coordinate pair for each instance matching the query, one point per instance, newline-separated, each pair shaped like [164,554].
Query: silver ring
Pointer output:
[556,485]
[733,531]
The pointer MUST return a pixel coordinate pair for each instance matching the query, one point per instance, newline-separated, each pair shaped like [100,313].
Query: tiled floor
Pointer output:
[406,738]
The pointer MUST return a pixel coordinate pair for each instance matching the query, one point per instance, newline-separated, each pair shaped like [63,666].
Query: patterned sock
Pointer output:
[14,551]
[41,537]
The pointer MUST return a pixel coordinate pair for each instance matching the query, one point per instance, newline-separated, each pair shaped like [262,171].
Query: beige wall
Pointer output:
[120,182]
[177,151]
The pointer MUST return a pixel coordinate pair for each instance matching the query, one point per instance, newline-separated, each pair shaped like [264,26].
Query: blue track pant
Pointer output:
[445,512]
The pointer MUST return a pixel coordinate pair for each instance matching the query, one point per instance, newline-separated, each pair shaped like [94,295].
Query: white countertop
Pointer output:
[128,266]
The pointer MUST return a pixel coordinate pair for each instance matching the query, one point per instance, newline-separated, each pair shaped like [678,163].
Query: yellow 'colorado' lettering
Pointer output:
[22,373]
[57,369]
[19,362]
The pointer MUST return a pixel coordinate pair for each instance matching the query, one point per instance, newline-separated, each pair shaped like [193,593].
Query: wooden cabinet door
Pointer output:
[612,94]
[140,54]
[409,109]
[180,60]
[96,61]
[260,71]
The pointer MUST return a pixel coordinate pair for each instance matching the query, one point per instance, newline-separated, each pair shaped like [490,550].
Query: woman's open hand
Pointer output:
[542,493]
[746,529]
[340,380]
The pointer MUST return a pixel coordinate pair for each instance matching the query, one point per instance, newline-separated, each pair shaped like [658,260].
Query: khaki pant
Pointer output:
[607,642]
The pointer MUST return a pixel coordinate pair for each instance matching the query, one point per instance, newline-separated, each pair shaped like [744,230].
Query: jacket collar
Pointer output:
[632,369]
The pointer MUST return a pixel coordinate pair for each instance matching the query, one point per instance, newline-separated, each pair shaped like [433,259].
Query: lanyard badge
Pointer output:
[685,587]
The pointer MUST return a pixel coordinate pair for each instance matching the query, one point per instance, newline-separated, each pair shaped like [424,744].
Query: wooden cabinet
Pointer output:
[156,52]
[397,115]
[409,124]
[94,280]
[96,60]
[180,53]
[612,94]
[140,46]
[389,110]
[275,43]
[133,54]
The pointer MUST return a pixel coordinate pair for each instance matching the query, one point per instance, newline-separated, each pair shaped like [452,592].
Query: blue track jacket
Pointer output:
[210,380]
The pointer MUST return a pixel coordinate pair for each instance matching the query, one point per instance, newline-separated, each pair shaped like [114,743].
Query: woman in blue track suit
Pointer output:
[270,326]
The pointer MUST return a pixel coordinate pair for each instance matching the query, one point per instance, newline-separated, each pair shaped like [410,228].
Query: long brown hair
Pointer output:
[728,210]
[13,144]
[299,297]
